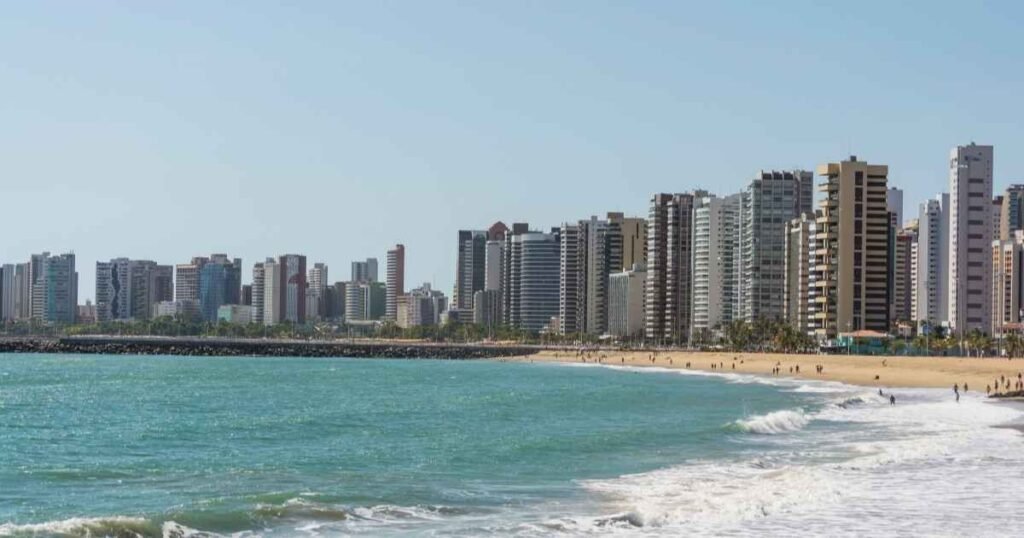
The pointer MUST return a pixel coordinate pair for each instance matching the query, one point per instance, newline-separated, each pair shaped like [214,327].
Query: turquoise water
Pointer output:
[288,446]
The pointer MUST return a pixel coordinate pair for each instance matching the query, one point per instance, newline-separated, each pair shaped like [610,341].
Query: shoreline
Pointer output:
[891,371]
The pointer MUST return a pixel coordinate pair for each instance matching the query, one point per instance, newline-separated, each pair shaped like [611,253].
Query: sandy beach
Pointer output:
[868,371]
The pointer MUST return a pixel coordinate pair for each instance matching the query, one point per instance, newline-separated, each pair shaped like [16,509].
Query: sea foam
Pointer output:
[776,422]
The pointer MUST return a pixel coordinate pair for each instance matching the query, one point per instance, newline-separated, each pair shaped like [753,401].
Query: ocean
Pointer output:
[179,446]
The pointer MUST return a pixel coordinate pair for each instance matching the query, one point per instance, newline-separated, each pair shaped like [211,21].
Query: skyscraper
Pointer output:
[1007,291]
[272,292]
[55,294]
[931,294]
[365,271]
[902,282]
[799,285]
[469,267]
[1011,214]
[113,296]
[220,283]
[769,203]
[851,264]
[534,281]
[626,303]
[714,270]
[509,273]
[894,201]
[669,258]
[186,280]
[293,287]
[395,281]
[970,238]
[259,289]
[570,281]
[7,294]
[317,279]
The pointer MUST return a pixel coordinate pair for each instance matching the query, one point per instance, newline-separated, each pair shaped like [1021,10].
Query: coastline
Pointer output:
[892,371]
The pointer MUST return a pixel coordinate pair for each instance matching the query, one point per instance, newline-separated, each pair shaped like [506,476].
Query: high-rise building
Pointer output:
[365,301]
[769,203]
[247,297]
[1011,213]
[293,287]
[534,280]
[365,271]
[273,299]
[36,265]
[902,281]
[493,264]
[630,241]
[932,280]
[395,281]
[22,291]
[315,292]
[509,273]
[894,201]
[55,294]
[970,238]
[186,280]
[997,214]
[335,301]
[469,267]
[668,293]
[801,243]
[714,267]
[113,295]
[626,302]
[852,258]
[422,306]
[1007,272]
[258,289]
[487,308]
[7,310]
[590,250]
[212,290]
[570,281]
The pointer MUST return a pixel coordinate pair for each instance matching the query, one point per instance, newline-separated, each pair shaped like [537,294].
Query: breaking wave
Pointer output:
[774,423]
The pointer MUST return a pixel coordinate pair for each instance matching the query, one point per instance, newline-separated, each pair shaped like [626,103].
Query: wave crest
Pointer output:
[774,423]
[84,526]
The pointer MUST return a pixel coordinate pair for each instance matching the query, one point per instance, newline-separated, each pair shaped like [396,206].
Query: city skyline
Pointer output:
[119,116]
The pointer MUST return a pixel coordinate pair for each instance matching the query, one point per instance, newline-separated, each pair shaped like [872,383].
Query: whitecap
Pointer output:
[776,422]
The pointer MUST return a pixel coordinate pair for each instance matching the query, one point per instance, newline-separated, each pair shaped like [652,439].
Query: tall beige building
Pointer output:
[1007,262]
[970,238]
[852,252]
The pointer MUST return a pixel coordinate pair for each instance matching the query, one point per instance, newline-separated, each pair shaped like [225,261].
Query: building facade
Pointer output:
[395,281]
[626,303]
[469,267]
[800,292]
[668,292]
[852,258]
[970,238]
[769,203]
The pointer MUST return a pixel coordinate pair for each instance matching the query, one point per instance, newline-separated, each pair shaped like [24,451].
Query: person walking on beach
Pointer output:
[956,390]
[892,399]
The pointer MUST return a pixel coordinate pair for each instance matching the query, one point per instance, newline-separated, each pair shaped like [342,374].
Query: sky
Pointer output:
[166,130]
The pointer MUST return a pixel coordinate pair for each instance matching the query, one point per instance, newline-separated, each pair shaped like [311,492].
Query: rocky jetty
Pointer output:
[113,345]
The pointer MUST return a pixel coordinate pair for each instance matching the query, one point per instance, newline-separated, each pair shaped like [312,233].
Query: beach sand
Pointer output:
[891,371]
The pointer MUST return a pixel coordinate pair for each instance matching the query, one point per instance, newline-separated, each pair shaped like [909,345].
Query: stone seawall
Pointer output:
[265,348]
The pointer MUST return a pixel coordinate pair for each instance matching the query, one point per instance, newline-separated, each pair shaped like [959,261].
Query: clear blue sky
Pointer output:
[167,130]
